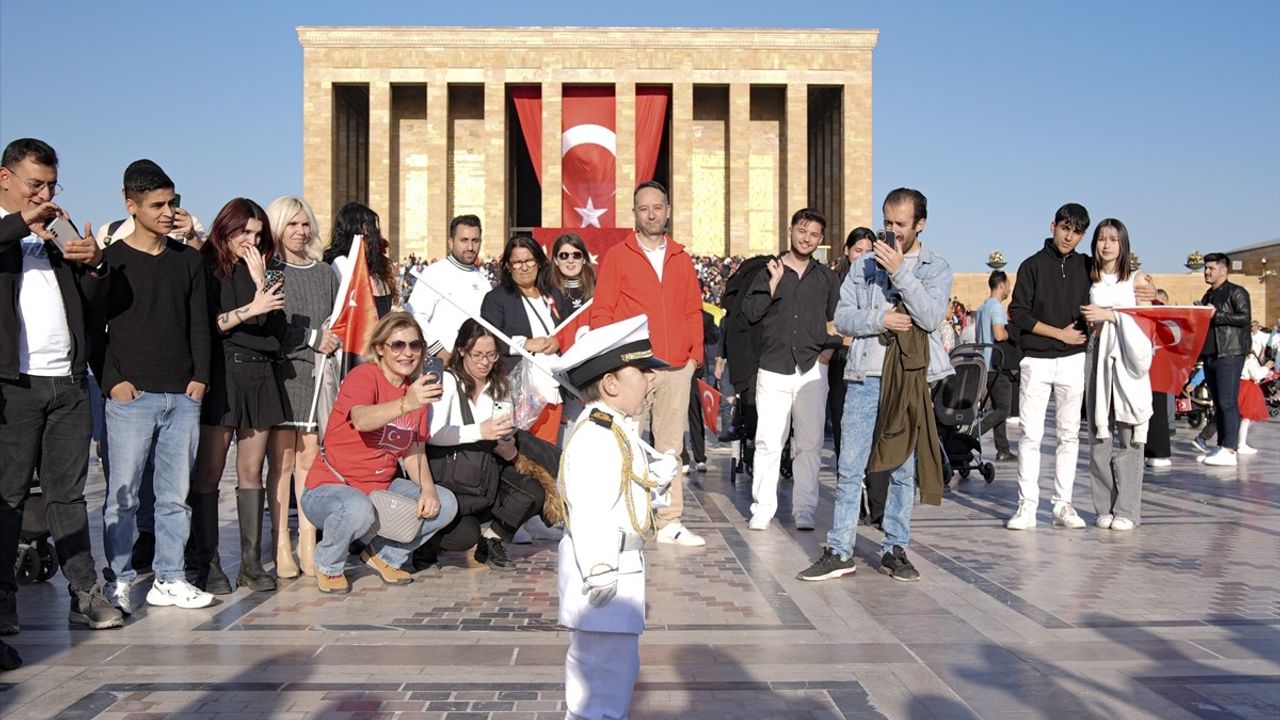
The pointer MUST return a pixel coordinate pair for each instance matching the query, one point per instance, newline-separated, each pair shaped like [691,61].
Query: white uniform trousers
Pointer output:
[797,400]
[599,674]
[1064,378]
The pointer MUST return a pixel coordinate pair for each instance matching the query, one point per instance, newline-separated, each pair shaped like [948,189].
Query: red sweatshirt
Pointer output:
[627,286]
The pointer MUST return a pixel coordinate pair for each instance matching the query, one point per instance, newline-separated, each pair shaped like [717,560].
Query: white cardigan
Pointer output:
[1119,360]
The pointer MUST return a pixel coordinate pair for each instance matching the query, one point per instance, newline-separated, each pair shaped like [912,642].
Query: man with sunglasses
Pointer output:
[44,351]
[456,277]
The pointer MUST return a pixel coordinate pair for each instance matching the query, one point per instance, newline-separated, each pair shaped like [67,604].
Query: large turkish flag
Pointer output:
[1177,333]
[588,150]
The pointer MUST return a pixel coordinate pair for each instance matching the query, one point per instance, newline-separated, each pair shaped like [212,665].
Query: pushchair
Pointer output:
[1194,403]
[36,560]
[958,406]
[744,432]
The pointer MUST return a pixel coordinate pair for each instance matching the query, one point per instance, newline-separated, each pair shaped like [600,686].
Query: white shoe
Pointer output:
[177,592]
[539,530]
[1159,463]
[522,537]
[804,521]
[1014,421]
[1104,521]
[1065,515]
[677,534]
[1122,524]
[759,522]
[1024,518]
[119,595]
[1246,450]
[1222,458]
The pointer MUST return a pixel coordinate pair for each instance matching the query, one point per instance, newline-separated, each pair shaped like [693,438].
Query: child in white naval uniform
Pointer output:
[606,480]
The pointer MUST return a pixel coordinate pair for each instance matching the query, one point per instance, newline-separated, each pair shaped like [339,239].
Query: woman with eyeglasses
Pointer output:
[357,219]
[523,306]
[379,421]
[475,452]
[571,273]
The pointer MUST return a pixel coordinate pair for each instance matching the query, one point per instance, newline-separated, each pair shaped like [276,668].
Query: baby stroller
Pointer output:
[958,405]
[36,559]
[1194,404]
[744,431]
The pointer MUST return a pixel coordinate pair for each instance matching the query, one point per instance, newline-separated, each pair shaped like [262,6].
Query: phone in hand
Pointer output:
[177,200]
[888,237]
[63,232]
[275,276]
[433,369]
[501,408]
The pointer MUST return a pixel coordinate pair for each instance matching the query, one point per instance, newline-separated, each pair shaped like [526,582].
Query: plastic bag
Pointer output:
[532,389]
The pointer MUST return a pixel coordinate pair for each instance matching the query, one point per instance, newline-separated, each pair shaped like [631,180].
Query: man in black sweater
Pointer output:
[45,421]
[155,374]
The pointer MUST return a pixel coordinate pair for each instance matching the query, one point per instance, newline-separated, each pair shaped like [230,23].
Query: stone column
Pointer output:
[317,147]
[797,151]
[739,170]
[625,170]
[380,161]
[552,114]
[859,207]
[437,166]
[495,156]
[682,162]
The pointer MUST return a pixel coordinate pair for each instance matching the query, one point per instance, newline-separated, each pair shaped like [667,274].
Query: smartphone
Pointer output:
[177,200]
[501,408]
[433,369]
[274,276]
[63,232]
[888,237]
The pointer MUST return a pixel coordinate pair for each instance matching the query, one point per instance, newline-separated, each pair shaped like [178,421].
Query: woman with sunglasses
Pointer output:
[474,452]
[379,420]
[523,306]
[572,276]
[244,399]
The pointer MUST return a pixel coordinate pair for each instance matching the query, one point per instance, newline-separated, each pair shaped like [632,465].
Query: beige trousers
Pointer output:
[669,408]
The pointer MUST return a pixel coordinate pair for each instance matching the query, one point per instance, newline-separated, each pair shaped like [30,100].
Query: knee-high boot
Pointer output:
[249,505]
[202,558]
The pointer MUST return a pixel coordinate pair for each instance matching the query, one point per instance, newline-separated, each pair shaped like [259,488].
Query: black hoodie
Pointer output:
[1050,289]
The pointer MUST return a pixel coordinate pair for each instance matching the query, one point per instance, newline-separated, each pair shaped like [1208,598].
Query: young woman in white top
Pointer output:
[1118,392]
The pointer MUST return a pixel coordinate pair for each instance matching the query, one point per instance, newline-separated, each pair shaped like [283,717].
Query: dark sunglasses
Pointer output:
[575,255]
[416,346]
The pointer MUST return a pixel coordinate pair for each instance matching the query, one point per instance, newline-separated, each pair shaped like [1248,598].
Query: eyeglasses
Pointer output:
[483,357]
[398,346]
[522,263]
[36,187]
[575,255]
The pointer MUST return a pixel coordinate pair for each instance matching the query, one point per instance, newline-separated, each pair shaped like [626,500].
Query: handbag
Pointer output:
[395,515]
[469,470]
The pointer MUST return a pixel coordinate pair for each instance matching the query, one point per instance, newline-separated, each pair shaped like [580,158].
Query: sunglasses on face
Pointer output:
[398,346]
[564,255]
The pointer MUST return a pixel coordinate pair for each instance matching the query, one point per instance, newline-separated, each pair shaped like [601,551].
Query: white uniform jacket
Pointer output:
[591,483]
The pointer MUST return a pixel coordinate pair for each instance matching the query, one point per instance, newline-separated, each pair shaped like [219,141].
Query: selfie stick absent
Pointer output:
[558,377]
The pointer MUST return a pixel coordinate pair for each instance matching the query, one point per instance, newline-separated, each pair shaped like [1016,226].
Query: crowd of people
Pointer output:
[192,342]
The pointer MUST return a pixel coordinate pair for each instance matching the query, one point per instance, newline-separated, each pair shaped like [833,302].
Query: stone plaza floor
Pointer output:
[1177,619]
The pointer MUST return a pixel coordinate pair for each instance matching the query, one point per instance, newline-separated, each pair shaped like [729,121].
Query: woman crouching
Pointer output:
[380,418]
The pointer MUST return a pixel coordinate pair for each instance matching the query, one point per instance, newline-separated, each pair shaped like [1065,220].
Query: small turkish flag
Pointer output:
[356,313]
[1177,333]
[710,407]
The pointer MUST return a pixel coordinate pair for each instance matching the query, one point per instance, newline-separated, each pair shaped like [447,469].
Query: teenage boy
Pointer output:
[155,374]
[45,419]
[1223,353]
[991,328]
[1052,286]
[606,479]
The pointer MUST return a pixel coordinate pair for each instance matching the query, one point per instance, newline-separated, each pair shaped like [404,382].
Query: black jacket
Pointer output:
[1230,324]
[1050,289]
[505,309]
[80,290]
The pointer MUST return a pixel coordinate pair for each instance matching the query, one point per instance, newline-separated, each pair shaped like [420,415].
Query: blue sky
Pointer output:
[1165,115]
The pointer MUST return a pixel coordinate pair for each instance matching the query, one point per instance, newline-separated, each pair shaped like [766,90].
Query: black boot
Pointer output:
[203,563]
[249,507]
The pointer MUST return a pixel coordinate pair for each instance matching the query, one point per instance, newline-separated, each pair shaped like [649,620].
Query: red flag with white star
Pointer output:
[1177,333]
[588,150]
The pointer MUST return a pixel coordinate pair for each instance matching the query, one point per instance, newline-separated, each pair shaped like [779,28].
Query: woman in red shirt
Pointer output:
[379,419]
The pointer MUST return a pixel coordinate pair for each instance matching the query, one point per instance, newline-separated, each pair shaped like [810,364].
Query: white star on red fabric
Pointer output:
[591,214]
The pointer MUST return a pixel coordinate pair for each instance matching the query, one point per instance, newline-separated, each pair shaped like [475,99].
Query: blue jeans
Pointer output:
[861,404]
[345,514]
[166,427]
[1223,376]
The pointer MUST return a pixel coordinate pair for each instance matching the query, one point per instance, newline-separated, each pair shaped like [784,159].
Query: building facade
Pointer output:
[421,125]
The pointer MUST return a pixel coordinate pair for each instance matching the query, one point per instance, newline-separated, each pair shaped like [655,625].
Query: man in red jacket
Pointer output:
[651,274]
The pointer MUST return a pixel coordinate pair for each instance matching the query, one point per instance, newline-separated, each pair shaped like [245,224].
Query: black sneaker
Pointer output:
[90,607]
[8,612]
[425,556]
[896,565]
[827,567]
[1005,456]
[9,658]
[493,553]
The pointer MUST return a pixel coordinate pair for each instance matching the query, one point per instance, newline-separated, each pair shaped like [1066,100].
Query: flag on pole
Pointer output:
[354,311]
[710,407]
[1177,333]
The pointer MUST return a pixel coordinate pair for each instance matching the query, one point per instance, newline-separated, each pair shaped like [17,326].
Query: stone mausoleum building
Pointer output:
[553,128]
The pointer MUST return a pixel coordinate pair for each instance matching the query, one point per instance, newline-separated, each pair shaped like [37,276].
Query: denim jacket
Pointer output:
[925,293]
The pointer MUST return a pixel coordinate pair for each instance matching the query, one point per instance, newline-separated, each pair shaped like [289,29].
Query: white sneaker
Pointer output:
[1065,515]
[177,592]
[1024,518]
[119,595]
[804,521]
[1104,521]
[677,534]
[1122,524]
[759,522]
[1222,458]
[539,530]
[522,537]
[1159,463]
[1246,450]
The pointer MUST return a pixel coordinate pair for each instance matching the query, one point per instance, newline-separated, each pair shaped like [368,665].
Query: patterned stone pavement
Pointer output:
[1179,619]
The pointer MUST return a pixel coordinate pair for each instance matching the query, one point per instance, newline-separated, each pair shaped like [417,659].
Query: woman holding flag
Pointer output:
[1118,391]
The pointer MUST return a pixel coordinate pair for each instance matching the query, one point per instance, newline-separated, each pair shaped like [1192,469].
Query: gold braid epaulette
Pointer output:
[628,476]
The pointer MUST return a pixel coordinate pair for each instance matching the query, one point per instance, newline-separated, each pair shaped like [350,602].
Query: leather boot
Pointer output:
[203,560]
[249,507]
[307,551]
